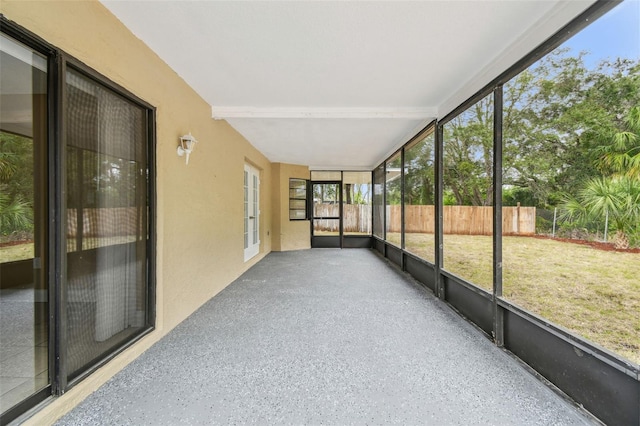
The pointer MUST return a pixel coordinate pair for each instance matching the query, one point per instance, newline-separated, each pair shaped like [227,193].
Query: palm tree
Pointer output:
[621,156]
[15,215]
[617,198]
[16,184]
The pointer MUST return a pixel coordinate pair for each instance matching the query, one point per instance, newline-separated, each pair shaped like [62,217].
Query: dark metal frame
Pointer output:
[588,375]
[346,241]
[58,61]
[355,241]
[396,253]
[439,225]
[393,251]
[498,314]
[327,241]
[373,193]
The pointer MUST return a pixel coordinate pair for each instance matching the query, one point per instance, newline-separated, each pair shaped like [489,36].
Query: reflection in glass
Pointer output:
[356,203]
[107,215]
[569,143]
[468,194]
[23,287]
[393,206]
[419,186]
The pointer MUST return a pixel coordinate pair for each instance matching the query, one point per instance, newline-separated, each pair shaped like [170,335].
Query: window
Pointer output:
[378,201]
[356,200]
[393,192]
[468,194]
[107,220]
[298,199]
[569,181]
[419,196]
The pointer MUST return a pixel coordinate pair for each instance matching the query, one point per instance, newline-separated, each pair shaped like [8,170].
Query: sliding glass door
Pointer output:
[24,307]
[76,221]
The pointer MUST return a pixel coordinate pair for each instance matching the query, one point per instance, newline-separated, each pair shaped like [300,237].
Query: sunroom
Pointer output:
[153,152]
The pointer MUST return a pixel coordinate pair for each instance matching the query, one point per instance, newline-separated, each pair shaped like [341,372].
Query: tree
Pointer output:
[393,181]
[544,154]
[356,193]
[614,198]
[556,114]
[15,215]
[621,156]
[16,184]
[468,155]
[419,173]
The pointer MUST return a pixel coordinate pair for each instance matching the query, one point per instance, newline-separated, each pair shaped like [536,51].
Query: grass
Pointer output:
[16,252]
[591,292]
[25,251]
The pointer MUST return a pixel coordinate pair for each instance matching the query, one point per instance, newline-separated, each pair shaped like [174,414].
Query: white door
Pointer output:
[251,212]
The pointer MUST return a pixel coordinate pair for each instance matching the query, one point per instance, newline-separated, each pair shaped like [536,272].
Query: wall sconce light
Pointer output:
[187,143]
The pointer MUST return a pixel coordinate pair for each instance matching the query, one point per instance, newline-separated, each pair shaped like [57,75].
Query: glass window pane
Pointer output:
[107,212]
[24,304]
[297,204]
[297,199]
[393,206]
[570,181]
[419,186]
[297,214]
[378,201]
[356,197]
[468,194]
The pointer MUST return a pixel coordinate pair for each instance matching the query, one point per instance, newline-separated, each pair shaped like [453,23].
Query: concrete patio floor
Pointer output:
[325,336]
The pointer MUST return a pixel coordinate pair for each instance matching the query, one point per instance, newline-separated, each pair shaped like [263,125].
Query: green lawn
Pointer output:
[25,251]
[16,252]
[592,292]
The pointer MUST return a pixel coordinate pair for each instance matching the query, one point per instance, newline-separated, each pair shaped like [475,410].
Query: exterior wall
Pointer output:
[288,234]
[199,206]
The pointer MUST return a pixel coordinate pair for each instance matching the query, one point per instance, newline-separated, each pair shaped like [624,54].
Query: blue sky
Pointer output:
[616,34]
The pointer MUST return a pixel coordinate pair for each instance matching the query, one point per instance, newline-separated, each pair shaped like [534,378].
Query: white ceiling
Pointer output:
[341,84]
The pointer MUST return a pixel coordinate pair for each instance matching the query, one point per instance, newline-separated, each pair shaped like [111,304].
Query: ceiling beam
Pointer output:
[221,113]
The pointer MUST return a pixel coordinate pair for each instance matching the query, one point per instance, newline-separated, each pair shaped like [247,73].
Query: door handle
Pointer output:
[252,217]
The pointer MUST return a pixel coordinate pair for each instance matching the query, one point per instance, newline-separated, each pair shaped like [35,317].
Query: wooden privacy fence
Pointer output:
[463,220]
[357,217]
[105,222]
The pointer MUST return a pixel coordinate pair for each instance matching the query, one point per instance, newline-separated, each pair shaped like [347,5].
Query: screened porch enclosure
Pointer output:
[409,212]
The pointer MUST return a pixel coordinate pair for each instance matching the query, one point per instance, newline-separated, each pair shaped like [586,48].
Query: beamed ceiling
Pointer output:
[342,84]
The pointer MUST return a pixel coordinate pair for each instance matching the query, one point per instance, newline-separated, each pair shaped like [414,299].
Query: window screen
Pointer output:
[106,220]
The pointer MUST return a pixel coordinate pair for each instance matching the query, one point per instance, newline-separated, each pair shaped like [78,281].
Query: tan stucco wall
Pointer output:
[199,206]
[288,234]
